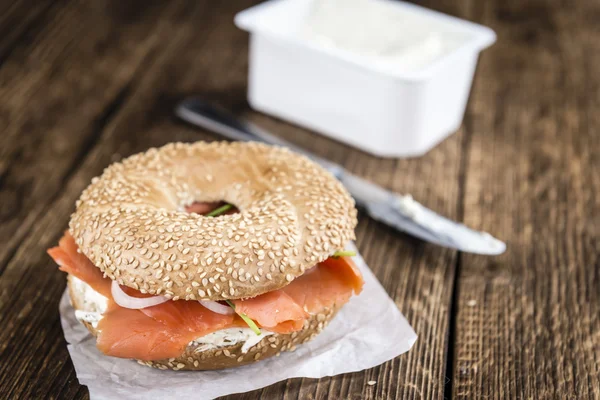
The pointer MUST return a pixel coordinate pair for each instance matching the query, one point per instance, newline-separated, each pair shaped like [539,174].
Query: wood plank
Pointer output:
[417,276]
[18,21]
[527,323]
[56,93]
[36,358]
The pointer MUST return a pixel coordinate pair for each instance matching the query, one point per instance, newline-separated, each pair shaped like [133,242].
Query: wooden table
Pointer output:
[83,84]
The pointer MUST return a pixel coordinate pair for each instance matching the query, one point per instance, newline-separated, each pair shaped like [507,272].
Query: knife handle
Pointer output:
[216,119]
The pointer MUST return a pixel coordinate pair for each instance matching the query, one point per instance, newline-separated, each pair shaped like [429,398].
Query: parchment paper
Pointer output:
[368,331]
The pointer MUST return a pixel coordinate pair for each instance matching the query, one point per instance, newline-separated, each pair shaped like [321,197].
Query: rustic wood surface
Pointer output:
[83,84]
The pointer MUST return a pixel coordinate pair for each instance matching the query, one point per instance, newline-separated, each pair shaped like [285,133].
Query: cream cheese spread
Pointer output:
[379,33]
[94,304]
[228,337]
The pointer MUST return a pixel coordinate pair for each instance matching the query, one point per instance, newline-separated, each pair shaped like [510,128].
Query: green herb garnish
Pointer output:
[220,210]
[246,319]
[344,253]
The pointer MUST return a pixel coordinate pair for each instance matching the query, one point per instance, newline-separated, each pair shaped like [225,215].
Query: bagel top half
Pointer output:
[132,224]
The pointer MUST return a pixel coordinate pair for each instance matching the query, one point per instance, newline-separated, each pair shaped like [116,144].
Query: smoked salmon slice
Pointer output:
[163,331]
[205,208]
[327,284]
[157,332]
[71,261]
[272,309]
[201,208]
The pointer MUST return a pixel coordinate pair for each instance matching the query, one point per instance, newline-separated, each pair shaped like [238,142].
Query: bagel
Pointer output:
[132,224]
[132,233]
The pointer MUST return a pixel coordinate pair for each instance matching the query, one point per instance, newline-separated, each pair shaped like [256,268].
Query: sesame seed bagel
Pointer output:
[132,224]
[195,359]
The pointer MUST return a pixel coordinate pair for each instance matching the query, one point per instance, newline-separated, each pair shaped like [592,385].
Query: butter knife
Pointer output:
[398,211]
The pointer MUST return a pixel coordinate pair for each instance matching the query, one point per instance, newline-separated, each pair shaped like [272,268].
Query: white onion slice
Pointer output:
[134,303]
[217,307]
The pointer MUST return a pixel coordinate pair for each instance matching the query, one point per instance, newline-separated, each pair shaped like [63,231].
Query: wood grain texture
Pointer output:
[19,21]
[32,350]
[528,323]
[56,95]
[84,84]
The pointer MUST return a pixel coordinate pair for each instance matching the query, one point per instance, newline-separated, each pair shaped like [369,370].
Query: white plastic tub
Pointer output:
[337,94]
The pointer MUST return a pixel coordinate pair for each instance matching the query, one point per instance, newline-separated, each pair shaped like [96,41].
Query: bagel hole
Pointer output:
[205,207]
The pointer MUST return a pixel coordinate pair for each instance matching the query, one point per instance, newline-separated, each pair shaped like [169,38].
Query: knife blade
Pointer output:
[401,212]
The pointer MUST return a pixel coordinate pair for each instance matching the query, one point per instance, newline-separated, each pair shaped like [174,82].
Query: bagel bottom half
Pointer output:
[193,359]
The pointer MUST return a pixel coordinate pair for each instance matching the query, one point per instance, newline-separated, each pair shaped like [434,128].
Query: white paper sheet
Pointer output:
[368,331]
